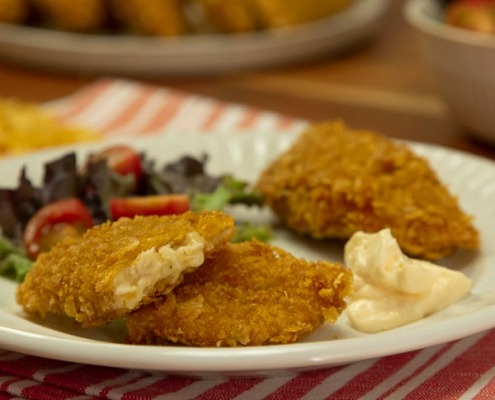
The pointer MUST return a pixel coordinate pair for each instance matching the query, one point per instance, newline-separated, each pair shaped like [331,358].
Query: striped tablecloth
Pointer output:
[464,369]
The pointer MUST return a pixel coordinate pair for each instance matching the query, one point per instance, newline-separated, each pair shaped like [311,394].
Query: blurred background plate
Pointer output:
[463,63]
[206,53]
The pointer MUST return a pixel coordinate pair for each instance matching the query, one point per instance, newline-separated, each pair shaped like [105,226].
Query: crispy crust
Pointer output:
[78,276]
[334,182]
[246,294]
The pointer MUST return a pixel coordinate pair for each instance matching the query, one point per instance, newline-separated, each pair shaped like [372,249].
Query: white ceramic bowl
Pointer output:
[464,65]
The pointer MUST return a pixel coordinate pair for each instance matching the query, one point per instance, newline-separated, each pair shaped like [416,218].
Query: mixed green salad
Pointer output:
[112,183]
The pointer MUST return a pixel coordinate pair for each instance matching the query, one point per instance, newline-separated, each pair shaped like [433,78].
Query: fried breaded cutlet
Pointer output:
[229,16]
[77,15]
[248,15]
[150,17]
[116,267]
[335,181]
[14,11]
[246,294]
[278,13]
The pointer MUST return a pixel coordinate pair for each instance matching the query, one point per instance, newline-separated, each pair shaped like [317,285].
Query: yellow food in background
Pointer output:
[166,17]
[239,16]
[77,16]
[13,11]
[150,17]
[25,127]
[278,13]
[248,15]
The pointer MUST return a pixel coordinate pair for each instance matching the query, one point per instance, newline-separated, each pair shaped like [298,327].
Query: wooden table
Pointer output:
[383,85]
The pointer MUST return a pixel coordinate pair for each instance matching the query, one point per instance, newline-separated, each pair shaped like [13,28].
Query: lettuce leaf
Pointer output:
[14,262]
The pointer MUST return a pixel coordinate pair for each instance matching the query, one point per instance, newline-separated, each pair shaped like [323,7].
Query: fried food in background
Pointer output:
[150,17]
[168,17]
[246,294]
[74,15]
[116,267]
[14,11]
[335,181]
[229,16]
[278,13]
[249,15]
[25,126]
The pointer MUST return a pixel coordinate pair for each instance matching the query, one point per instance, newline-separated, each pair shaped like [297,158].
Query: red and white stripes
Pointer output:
[129,108]
[463,369]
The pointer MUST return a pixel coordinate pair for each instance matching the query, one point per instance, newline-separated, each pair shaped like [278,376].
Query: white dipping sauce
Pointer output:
[391,289]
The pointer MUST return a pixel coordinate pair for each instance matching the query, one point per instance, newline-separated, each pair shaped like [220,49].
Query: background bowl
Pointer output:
[463,63]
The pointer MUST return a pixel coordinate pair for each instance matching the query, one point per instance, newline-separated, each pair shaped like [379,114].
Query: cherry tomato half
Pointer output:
[122,159]
[149,205]
[53,222]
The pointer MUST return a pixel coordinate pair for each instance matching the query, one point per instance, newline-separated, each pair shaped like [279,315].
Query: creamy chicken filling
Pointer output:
[156,265]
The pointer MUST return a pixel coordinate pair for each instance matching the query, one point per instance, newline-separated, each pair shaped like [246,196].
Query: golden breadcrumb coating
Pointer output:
[334,181]
[247,294]
[116,267]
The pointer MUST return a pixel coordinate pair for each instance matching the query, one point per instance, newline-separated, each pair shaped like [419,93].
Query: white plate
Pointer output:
[245,155]
[190,54]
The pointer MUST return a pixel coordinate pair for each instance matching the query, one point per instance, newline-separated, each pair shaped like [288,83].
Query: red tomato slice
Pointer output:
[53,222]
[122,159]
[149,205]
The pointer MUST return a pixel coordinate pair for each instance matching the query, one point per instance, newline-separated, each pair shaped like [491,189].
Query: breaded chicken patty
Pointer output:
[334,182]
[246,294]
[116,267]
